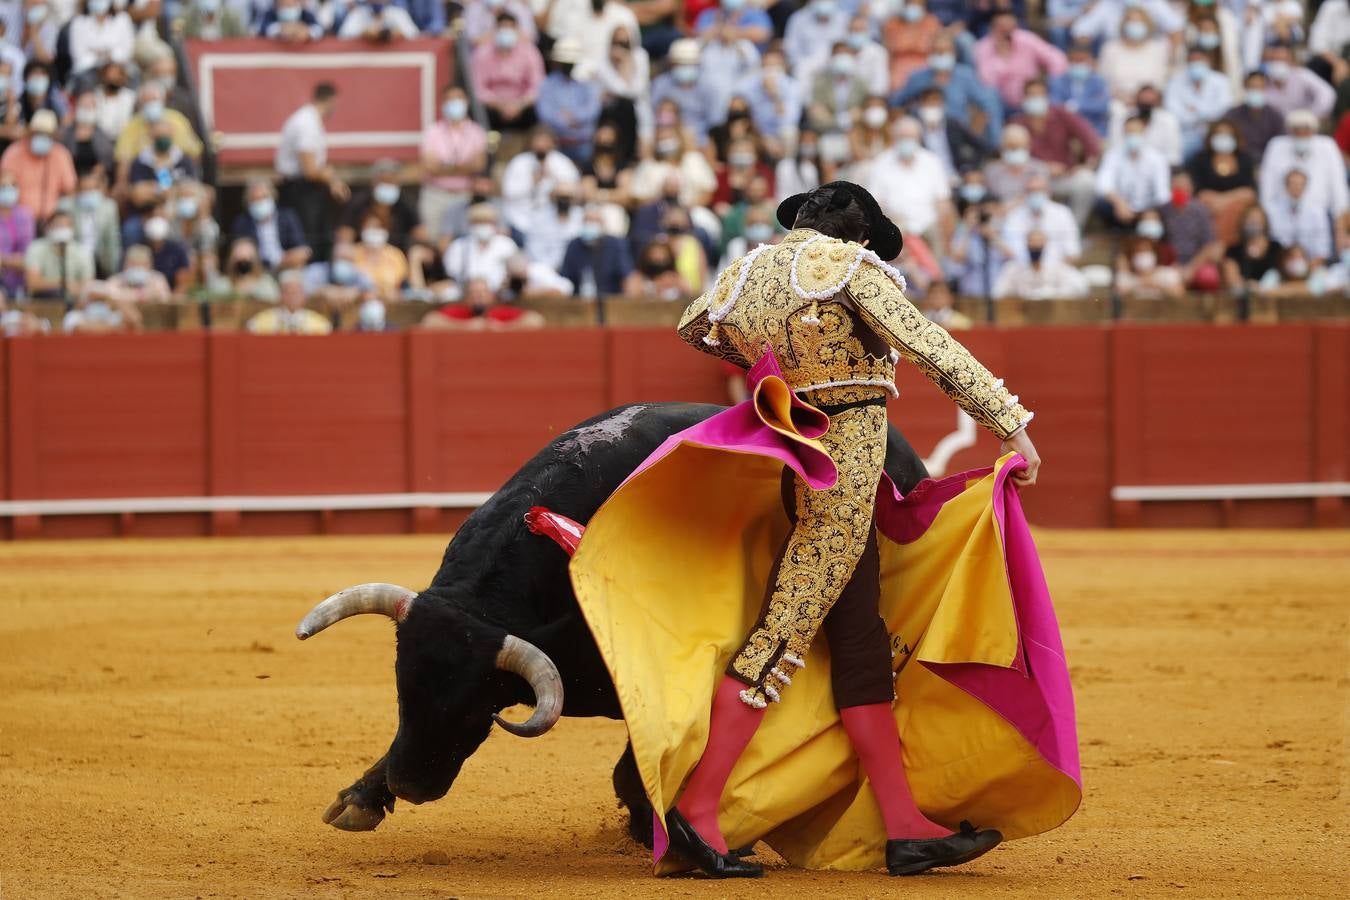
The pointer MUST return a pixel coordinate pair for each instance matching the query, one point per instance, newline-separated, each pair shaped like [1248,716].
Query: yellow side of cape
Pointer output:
[670,576]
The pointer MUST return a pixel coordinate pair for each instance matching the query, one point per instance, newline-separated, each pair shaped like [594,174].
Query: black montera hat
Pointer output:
[884,239]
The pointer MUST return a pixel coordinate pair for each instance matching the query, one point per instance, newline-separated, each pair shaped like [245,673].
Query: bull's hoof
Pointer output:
[345,815]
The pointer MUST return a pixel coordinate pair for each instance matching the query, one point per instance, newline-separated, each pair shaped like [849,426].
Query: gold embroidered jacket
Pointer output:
[832,312]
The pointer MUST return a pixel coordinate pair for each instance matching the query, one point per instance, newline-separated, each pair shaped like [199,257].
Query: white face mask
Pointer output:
[483,231]
[374,237]
[1144,262]
[157,229]
[874,116]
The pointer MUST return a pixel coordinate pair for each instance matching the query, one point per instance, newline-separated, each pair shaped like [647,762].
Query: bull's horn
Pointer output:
[532,664]
[376,597]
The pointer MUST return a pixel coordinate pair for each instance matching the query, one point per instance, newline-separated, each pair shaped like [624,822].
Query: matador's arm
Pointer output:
[695,325]
[939,355]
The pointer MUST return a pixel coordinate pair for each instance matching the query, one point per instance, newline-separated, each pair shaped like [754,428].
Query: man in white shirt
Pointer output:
[811,31]
[1133,177]
[483,252]
[1102,21]
[309,185]
[592,28]
[911,185]
[531,178]
[1054,221]
[1038,275]
[1315,154]
[1197,96]
[103,35]
[378,22]
[1298,219]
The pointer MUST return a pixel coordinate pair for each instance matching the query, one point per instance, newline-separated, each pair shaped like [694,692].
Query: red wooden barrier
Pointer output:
[224,415]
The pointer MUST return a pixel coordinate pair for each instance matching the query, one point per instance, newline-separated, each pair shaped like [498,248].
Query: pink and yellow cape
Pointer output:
[670,575]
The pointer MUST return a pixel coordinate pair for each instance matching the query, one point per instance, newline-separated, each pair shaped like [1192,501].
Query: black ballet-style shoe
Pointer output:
[685,841]
[913,857]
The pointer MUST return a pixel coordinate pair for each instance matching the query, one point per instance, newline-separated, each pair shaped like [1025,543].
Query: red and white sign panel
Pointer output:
[386,93]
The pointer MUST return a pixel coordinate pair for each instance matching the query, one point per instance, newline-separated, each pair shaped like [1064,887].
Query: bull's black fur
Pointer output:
[498,578]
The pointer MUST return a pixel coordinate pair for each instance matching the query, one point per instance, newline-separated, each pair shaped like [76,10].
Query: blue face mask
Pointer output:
[857,40]
[1036,200]
[153,111]
[758,233]
[41,144]
[343,271]
[942,62]
[686,74]
[90,200]
[386,194]
[455,109]
[37,85]
[506,38]
[905,148]
[1256,98]
[1133,142]
[590,231]
[1017,156]
[1080,70]
[912,12]
[9,195]
[973,193]
[288,14]
[187,208]
[1197,69]
[262,209]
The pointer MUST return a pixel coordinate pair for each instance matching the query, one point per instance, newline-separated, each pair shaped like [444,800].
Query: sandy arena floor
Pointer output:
[162,734]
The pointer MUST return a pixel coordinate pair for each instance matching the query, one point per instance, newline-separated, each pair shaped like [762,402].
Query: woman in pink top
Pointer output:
[909,39]
[1008,57]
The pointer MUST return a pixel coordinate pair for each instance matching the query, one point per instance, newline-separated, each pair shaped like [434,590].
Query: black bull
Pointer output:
[502,607]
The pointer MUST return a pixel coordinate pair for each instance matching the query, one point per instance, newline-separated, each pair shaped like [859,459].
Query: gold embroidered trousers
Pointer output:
[829,554]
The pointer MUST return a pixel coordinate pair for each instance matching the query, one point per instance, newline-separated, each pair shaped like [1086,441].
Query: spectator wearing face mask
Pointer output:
[596,263]
[911,184]
[549,233]
[381,262]
[1316,155]
[774,96]
[155,171]
[211,20]
[1138,56]
[961,89]
[571,108]
[623,74]
[1292,278]
[1081,89]
[757,228]
[479,20]
[1008,176]
[454,149]
[1253,119]
[137,283]
[37,33]
[17,230]
[1008,57]
[482,253]
[959,148]
[1298,219]
[1335,277]
[276,232]
[724,61]
[1291,87]
[1039,275]
[163,70]
[89,147]
[1139,275]
[976,253]
[871,134]
[140,132]
[1132,177]
[530,181]
[1162,131]
[289,22]
[590,23]
[688,247]
[339,283]
[56,266]
[507,74]
[688,89]
[1066,143]
[532,280]
[836,92]
[383,199]
[812,30]
[171,257]
[39,93]
[1107,18]
[1189,228]
[1254,256]
[1217,37]
[1037,212]
[655,276]
[243,276]
[191,221]
[100,35]
[290,315]
[1197,96]
[43,169]
[1223,177]
[94,216]
[909,38]
[378,20]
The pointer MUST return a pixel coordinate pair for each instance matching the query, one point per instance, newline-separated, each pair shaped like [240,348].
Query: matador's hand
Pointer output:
[1022,444]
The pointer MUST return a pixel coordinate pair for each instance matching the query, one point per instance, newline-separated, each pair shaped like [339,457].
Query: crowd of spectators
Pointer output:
[636,147]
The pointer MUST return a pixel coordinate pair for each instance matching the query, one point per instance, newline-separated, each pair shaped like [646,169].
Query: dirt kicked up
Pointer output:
[163,734]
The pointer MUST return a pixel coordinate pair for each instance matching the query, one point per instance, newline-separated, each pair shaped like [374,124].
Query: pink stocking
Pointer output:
[732,726]
[876,740]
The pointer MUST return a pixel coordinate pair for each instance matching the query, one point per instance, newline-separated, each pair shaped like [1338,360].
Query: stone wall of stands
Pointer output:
[200,415]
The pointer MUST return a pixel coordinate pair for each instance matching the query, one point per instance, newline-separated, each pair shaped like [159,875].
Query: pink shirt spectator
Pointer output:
[1028,57]
[41,179]
[453,143]
[507,76]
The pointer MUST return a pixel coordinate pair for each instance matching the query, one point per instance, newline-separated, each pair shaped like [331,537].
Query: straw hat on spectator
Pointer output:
[1299,118]
[567,50]
[43,122]
[684,52]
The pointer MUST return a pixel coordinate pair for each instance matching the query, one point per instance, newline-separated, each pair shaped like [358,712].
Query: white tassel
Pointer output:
[782,676]
[793,660]
[1011,402]
[711,341]
[772,693]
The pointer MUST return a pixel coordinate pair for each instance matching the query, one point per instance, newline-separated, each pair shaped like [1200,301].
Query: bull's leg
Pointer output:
[362,806]
[628,788]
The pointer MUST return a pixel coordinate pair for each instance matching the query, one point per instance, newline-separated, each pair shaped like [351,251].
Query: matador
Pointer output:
[834,316]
